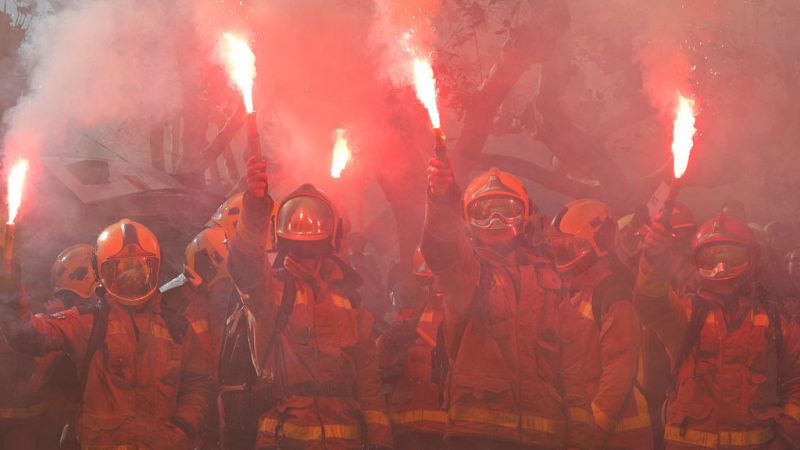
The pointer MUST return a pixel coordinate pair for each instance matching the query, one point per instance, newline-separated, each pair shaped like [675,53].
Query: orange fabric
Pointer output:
[728,385]
[327,340]
[414,398]
[509,352]
[137,383]
[611,360]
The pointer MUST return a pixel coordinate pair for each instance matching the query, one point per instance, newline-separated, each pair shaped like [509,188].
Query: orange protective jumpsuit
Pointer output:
[733,389]
[418,421]
[148,386]
[322,373]
[515,372]
[21,407]
[611,337]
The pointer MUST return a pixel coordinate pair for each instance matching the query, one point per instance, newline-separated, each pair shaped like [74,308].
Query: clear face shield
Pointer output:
[306,218]
[130,278]
[722,261]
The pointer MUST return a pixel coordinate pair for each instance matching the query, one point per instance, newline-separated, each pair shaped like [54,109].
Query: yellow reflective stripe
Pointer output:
[159,331]
[115,327]
[761,320]
[642,419]
[420,415]
[602,419]
[376,418]
[711,319]
[712,440]
[24,412]
[200,326]
[505,419]
[108,447]
[792,410]
[341,302]
[580,415]
[586,310]
[427,317]
[309,433]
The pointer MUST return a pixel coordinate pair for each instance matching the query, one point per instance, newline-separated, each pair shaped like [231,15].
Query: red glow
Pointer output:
[682,135]
[240,62]
[341,153]
[16,183]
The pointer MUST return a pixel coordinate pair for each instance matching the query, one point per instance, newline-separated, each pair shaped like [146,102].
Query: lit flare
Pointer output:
[16,184]
[425,86]
[682,135]
[240,62]
[341,153]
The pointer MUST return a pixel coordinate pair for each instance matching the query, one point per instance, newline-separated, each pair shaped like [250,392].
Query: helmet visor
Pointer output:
[567,250]
[507,208]
[130,278]
[306,219]
[722,261]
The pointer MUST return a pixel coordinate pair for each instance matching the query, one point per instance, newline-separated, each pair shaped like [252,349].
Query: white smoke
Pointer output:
[96,63]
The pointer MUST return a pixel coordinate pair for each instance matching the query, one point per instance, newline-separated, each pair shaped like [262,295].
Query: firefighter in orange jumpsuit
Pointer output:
[735,356]
[310,340]
[147,382]
[583,238]
[515,377]
[203,291]
[410,365]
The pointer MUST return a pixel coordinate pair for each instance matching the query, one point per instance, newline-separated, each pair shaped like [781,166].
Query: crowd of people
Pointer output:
[508,332]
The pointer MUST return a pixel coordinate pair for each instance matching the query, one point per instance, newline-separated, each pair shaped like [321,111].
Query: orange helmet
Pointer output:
[497,200]
[308,215]
[73,271]
[207,257]
[582,232]
[128,262]
[724,248]
[227,216]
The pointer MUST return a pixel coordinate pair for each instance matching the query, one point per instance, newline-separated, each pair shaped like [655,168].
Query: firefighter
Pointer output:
[515,377]
[315,361]
[203,292]
[736,357]
[146,382]
[583,238]
[74,281]
[410,364]
[73,278]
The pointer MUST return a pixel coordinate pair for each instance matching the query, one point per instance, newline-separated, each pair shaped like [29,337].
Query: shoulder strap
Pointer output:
[96,338]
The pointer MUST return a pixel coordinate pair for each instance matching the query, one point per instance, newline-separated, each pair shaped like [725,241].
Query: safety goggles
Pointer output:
[722,261]
[131,277]
[496,212]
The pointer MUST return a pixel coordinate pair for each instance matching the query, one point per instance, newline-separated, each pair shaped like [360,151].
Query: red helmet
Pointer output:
[724,248]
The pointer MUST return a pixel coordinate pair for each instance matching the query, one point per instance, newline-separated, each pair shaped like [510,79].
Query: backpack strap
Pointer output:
[284,310]
[692,337]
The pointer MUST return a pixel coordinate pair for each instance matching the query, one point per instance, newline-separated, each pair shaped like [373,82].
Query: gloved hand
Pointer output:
[440,178]
[657,248]
[256,177]
[256,203]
